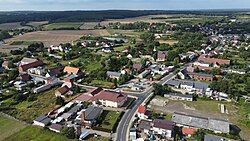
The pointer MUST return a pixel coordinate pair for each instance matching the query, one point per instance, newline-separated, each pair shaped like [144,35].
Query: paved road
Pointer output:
[127,119]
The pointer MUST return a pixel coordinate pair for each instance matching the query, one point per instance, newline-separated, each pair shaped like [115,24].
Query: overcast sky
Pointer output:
[48,5]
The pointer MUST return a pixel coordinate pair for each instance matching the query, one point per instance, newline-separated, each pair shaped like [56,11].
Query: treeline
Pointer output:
[93,16]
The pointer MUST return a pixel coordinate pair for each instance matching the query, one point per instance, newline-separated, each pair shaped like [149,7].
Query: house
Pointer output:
[63,92]
[20,85]
[215,138]
[201,122]
[132,134]
[144,126]
[142,112]
[109,99]
[42,121]
[55,71]
[26,60]
[144,74]
[24,77]
[187,56]
[42,88]
[114,75]
[24,66]
[137,67]
[201,76]
[179,96]
[162,56]
[72,70]
[90,115]
[214,61]
[163,127]
[106,98]
[55,127]
[37,71]
[188,131]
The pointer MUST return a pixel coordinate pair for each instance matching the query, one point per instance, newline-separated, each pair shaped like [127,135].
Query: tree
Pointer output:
[147,37]
[161,90]
[60,101]
[69,132]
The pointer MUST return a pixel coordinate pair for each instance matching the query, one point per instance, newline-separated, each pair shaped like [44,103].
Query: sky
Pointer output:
[61,5]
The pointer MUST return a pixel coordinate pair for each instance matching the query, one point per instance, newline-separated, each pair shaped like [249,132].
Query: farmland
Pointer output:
[9,26]
[36,134]
[57,37]
[37,24]
[67,25]
[9,127]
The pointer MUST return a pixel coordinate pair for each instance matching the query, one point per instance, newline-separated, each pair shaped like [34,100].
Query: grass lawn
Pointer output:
[97,139]
[93,66]
[100,83]
[9,127]
[36,134]
[28,111]
[66,25]
[121,48]
[109,119]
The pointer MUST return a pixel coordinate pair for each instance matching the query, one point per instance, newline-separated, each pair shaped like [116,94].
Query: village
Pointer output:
[115,88]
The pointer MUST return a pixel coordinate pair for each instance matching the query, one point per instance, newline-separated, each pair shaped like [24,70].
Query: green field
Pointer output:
[66,25]
[100,83]
[9,127]
[35,134]
[28,111]
[109,119]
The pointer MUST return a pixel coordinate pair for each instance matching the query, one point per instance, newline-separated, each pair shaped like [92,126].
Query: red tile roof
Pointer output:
[142,109]
[72,70]
[109,96]
[188,131]
[30,65]
[213,60]
[63,90]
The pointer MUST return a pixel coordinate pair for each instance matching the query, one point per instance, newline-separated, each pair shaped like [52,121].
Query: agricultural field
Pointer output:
[89,25]
[9,26]
[57,37]
[170,42]
[5,48]
[36,134]
[37,24]
[66,25]
[9,127]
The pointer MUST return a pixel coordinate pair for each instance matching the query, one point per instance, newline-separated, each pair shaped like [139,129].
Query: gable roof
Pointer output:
[31,65]
[142,109]
[92,112]
[26,60]
[144,124]
[163,124]
[72,70]
[213,60]
[162,54]
[63,90]
[56,70]
[113,73]
[109,96]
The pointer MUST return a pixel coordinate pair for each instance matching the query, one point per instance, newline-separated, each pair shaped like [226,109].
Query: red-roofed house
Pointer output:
[25,67]
[72,70]
[162,56]
[214,61]
[106,98]
[188,131]
[142,112]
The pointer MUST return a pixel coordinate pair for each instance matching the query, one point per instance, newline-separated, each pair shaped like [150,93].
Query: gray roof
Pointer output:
[113,73]
[144,124]
[194,84]
[180,95]
[201,122]
[92,112]
[43,119]
[214,138]
[75,109]
[173,83]
[202,74]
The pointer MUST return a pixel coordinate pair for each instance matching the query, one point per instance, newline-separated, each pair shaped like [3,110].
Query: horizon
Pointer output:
[100,5]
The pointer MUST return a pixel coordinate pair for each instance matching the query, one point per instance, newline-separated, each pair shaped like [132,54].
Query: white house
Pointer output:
[163,127]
